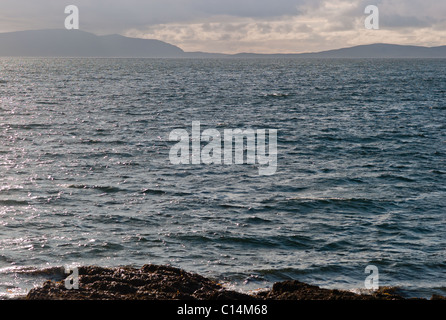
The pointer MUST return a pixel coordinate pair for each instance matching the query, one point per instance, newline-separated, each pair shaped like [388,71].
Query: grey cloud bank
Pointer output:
[241,26]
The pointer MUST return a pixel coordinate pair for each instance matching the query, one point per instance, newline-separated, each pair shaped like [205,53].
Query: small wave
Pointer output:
[291,204]
[38,274]
[281,274]
[252,242]
[395,177]
[277,95]
[12,203]
[336,245]
[232,206]
[27,126]
[51,103]
[32,271]
[15,282]
[89,141]
[257,220]
[8,189]
[182,194]
[106,189]
[330,199]
[153,191]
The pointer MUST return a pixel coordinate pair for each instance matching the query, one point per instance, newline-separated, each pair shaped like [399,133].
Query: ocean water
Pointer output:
[85,175]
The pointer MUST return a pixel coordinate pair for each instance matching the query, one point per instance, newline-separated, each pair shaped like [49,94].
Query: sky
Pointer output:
[233,26]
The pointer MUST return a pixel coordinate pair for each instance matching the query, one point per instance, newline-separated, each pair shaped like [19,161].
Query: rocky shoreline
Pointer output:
[153,282]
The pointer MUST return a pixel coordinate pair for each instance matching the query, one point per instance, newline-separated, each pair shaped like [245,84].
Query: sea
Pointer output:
[86,178]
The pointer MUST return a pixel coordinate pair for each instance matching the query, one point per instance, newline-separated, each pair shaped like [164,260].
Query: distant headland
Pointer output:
[76,43]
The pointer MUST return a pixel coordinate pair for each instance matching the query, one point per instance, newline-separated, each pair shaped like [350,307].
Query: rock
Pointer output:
[148,283]
[296,290]
[152,282]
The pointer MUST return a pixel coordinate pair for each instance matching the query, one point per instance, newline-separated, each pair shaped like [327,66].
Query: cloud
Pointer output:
[242,25]
[116,14]
[397,21]
[318,25]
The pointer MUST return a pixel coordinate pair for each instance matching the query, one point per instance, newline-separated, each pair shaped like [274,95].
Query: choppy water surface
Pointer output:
[85,176]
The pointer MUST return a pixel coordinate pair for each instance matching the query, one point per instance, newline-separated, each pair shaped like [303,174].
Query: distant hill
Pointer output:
[378,50]
[75,43]
[382,50]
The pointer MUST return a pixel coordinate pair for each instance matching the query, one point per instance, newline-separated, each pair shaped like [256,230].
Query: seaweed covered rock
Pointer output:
[296,290]
[148,283]
[153,282]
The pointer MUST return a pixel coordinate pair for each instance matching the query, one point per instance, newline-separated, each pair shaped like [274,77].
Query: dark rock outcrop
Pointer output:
[296,290]
[153,282]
